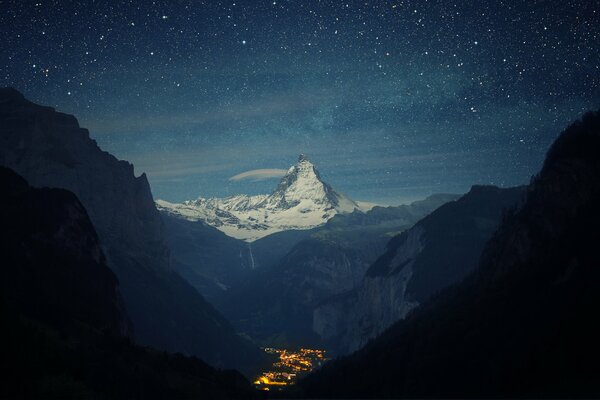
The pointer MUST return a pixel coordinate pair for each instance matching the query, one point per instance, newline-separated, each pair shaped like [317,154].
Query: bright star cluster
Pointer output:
[393,100]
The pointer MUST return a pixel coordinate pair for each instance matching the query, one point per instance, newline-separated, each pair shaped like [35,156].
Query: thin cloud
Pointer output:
[259,174]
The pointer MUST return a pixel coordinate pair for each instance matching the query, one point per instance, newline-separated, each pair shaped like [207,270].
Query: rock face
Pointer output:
[208,259]
[300,201]
[64,329]
[347,321]
[440,250]
[53,269]
[213,262]
[275,306]
[50,149]
[524,323]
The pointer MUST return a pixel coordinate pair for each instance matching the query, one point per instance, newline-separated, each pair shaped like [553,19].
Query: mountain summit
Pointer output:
[302,184]
[300,201]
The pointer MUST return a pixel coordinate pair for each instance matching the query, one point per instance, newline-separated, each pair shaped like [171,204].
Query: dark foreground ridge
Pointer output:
[525,323]
[64,330]
[49,149]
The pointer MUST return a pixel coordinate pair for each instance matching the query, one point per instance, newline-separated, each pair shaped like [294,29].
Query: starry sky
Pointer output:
[392,100]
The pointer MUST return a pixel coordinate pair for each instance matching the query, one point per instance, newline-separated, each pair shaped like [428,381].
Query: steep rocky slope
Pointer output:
[53,269]
[49,148]
[524,323]
[439,250]
[208,259]
[64,328]
[275,305]
[213,262]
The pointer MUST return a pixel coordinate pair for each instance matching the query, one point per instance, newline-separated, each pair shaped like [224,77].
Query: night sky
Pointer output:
[393,100]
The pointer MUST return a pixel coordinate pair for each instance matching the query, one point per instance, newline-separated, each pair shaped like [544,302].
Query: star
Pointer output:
[325,77]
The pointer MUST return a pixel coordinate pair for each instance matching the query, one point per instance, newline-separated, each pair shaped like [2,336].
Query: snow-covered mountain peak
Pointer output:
[301,183]
[305,168]
[300,201]
[302,169]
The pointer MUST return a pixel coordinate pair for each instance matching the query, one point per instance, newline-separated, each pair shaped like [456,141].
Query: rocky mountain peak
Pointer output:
[304,168]
[302,182]
[301,201]
[303,158]
[304,164]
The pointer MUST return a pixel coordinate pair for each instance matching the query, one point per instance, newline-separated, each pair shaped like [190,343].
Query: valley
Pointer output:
[449,296]
[255,200]
[270,287]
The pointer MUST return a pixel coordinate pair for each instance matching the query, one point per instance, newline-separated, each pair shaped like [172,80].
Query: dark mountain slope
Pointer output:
[50,149]
[275,306]
[524,324]
[213,262]
[438,251]
[63,323]
[207,258]
[52,266]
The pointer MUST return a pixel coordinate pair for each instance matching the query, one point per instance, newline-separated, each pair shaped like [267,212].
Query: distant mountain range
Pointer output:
[269,287]
[301,201]
[488,294]
[274,305]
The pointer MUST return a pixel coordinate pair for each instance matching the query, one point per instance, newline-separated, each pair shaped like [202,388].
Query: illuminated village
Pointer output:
[289,366]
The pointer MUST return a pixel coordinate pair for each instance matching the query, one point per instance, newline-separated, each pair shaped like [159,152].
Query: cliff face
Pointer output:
[276,304]
[524,323]
[554,228]
[53,269]
[208,259]
[64,328]
[440,250]
[50,149]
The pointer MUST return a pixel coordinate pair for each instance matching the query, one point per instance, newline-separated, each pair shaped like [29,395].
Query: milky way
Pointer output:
[392,100]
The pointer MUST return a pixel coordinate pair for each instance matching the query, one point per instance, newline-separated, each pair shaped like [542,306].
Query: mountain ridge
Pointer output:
[523,323]
[50,149]
[275,306]
[439,250]
[65,331]
[301,200]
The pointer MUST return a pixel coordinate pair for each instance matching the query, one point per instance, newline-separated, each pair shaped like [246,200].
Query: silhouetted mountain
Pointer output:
[63,322]
[524,323]
[439,250]
[50,149]
[275,306]
[53,269]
